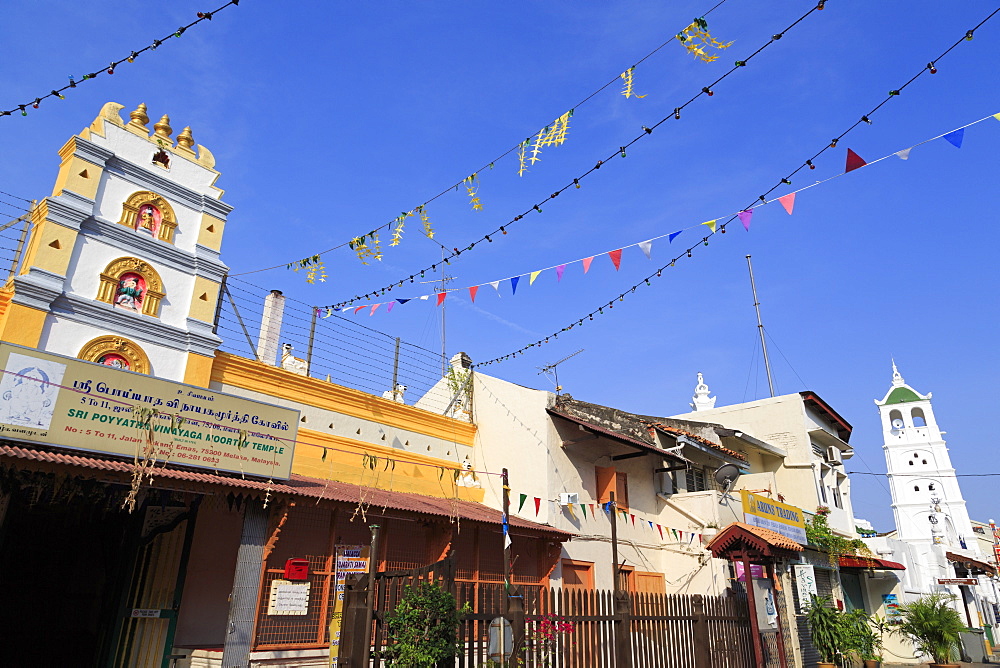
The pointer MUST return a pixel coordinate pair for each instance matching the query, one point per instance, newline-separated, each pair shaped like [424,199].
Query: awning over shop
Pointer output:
[114,471]
[970,564]
[870,563]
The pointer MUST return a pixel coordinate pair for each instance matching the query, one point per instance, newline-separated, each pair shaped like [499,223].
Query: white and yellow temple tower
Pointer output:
[123,262]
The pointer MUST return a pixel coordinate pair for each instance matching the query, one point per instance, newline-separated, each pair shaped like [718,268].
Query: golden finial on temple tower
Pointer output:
[185,141]
[162,127]
[139,118]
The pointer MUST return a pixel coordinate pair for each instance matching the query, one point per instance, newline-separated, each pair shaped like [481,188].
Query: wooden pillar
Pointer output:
[758,650]
[702,656]
[777,611]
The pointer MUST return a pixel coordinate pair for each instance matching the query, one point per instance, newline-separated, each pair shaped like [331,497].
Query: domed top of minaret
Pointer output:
[701,400]
[900,392]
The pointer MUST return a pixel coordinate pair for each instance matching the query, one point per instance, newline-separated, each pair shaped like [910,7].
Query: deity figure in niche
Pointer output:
[149,220]
[114,360]
[131,288]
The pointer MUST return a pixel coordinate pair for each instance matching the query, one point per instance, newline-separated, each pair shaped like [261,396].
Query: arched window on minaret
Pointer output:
[117,352]
[132,285]
[917,415]
[149,214]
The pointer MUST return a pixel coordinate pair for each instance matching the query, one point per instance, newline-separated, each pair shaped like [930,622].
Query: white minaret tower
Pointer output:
[701,401]
[926,499]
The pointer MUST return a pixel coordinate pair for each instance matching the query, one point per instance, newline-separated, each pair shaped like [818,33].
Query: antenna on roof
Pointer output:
[760,329]
[554,370]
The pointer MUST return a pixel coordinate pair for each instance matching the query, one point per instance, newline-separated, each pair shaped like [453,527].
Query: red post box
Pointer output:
[297,569]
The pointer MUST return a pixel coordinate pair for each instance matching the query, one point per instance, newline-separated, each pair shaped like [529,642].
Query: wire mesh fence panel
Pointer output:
[331,346]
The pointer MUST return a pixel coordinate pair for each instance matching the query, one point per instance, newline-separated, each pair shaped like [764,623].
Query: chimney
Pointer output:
[270,328]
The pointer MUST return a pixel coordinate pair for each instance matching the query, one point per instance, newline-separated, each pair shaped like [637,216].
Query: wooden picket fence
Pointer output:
[611,630]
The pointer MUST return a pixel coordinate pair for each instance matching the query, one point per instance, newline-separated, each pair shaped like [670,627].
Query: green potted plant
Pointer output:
[863,637]
[827,627]
[423,627]
[933,626]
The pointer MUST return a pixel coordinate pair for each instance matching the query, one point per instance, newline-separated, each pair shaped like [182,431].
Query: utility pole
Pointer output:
[505,606]
[760,328]
[445,280]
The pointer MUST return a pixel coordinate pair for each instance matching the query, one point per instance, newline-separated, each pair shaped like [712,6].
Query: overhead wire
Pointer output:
[762,199]
[575,183]
[488,165]
[110,68]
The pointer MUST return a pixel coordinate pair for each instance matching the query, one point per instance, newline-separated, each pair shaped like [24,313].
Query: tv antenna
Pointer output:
[554,370]
[760,329]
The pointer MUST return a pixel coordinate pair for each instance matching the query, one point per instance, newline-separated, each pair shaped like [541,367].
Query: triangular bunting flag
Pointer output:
[854,161]
[660,529]
[616,258]
[691,539]
[425,297]
[388,309]
[569,507]
[904,154]
[586,263]
[358,309]
[506,540]
[647,249]
[559,272]
[472,293]
[402,301]
[592,510]
[513,285]
[521,499]
[534,275]
[745,217]
[996,116]
[633,518]
[583,507]
[711,224]
[374,308]
[672,236]
[496,286]
[441,296]
[674,532]
[788,201]
[650,524]
[538,505]
[955,137]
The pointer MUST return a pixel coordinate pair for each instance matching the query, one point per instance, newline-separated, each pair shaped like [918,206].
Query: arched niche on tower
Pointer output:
[131,284]
[148,213]
[917,415]
[117,352]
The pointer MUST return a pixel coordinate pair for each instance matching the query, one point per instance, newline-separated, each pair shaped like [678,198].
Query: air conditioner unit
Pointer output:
[567,498]
[833,456]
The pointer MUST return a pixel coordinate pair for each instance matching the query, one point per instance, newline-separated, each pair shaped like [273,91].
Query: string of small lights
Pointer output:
[931,67]
[110,68]
[488,165]
[620,152]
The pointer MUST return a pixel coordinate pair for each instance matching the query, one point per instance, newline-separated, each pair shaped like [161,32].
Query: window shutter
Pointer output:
[605,483]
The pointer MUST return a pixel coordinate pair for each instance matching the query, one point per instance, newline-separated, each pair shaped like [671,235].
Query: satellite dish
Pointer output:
[726,475]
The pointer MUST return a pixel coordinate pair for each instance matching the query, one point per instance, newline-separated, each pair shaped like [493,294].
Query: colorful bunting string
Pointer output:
[787,202]
[575,183]
[930,67]
[110,68]
[556,136]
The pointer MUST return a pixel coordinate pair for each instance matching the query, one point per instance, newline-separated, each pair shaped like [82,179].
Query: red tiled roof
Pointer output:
[610,433]
[298,485]
[674,431]
[870,562]
[759,538]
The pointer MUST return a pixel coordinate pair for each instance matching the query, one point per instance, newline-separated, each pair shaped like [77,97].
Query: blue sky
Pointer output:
[328,119]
